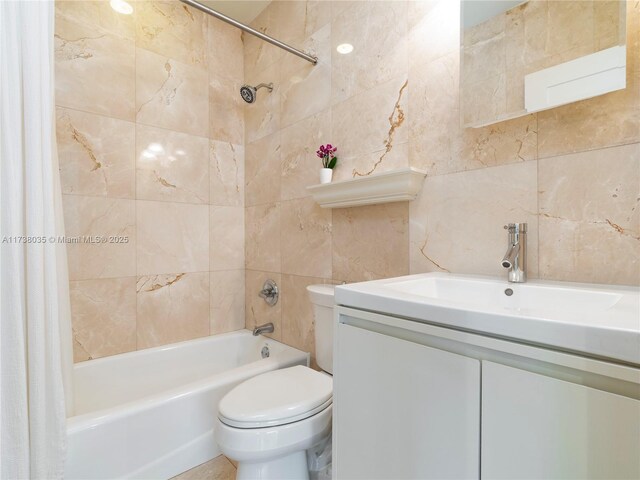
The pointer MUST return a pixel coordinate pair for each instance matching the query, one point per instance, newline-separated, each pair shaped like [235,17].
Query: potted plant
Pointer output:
[327,154]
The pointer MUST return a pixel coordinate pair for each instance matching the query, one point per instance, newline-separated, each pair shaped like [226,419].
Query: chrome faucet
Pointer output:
[260,329]
[516,257]
[269,292]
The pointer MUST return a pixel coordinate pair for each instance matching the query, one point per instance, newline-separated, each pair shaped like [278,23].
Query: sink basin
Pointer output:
[598,320]
[524,298]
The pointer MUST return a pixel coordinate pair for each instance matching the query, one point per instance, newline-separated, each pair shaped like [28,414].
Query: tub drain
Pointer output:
[265,351]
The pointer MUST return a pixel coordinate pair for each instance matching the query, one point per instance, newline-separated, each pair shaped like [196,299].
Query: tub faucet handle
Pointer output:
[269,292]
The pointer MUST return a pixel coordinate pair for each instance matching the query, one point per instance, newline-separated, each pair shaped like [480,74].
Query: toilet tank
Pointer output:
[321,297]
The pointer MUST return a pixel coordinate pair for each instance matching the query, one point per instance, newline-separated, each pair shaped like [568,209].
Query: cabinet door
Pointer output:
[404,410]
[540,427]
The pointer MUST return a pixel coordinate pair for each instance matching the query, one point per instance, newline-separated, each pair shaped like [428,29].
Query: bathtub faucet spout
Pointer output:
[260,329]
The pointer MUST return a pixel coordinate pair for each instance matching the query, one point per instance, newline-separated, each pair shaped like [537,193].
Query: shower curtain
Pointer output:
[35,336]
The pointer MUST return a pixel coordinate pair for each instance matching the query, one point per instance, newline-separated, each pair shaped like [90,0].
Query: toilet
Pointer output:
[269,422]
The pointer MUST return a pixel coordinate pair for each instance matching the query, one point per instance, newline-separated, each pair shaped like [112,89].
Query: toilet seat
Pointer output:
[277,398]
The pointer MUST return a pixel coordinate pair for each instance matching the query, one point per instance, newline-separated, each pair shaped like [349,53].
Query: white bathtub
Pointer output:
[151,413]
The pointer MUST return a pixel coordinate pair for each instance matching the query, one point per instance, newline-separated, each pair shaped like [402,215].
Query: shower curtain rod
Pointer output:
[246,28]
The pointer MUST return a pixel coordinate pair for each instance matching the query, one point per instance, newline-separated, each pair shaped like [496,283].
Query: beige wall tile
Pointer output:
[377,162]
[262,237]
[226,235]
[104,317]
[300,165]
[317,44]
[226,109]
[607,120]
[224,50]
[263,116]
[502,143]
[298,325]
[227,301]
[86,218]
[297,20]
[185,63]
[172,29]
[371,242]
[571,24]
[260,57]
[606,25]
[611,119]
[306,88]
[305,236]
[437,143]
[385,109]
[457,221]
[258,312]
[484,50]
[434,120]
[94,71]
[262,170]
[172,237]
[96,154]
[170,94]
[485,101]
[378,33]
[434,30]
[97,15]
[226,173]
[528,38]
[172,308]
[589,216]
[263,23]
[171,166]
[305,93]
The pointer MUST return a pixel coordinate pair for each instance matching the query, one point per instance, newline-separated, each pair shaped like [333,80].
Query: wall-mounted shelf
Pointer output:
[394,186]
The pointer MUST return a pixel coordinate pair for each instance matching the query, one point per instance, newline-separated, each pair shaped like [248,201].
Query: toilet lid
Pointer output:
[277,398]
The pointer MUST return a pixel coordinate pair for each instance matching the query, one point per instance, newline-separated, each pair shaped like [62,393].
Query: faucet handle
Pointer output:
[269,292]
[516,227]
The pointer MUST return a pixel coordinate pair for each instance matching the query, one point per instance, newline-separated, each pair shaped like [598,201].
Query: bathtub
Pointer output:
[152,413]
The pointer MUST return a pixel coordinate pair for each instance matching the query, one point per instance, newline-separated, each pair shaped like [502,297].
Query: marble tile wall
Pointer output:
[572,173]
[358,103]
[156,146]
[150,134]
[534,35]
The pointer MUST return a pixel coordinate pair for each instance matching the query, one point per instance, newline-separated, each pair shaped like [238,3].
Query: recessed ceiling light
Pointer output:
[344,48]
[121,6]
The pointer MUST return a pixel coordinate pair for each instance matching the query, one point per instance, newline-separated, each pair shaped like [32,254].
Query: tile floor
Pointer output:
[220,468]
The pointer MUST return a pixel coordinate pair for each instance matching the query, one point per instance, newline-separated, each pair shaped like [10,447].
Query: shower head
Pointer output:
[248,93]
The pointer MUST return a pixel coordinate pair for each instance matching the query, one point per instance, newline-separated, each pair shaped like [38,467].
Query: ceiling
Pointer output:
[474,12]
[242,10]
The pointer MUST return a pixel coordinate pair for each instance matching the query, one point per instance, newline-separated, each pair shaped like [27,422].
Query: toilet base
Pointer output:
[292,466]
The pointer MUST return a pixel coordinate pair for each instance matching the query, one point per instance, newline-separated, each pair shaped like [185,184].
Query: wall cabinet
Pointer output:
[415,401]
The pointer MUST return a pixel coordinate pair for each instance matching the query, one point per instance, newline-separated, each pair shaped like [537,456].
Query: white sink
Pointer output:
[525,298]
[599,320]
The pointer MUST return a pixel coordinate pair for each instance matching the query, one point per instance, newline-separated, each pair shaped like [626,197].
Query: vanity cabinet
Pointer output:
[534,426]
[405,410]
[420,401]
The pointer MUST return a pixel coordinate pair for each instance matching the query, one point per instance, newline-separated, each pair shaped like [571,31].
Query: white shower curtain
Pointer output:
[34,300]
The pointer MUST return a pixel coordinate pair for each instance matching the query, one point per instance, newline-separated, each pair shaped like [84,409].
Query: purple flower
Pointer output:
[326,153]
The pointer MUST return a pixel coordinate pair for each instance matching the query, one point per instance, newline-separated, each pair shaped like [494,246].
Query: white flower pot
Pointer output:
[325,175]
